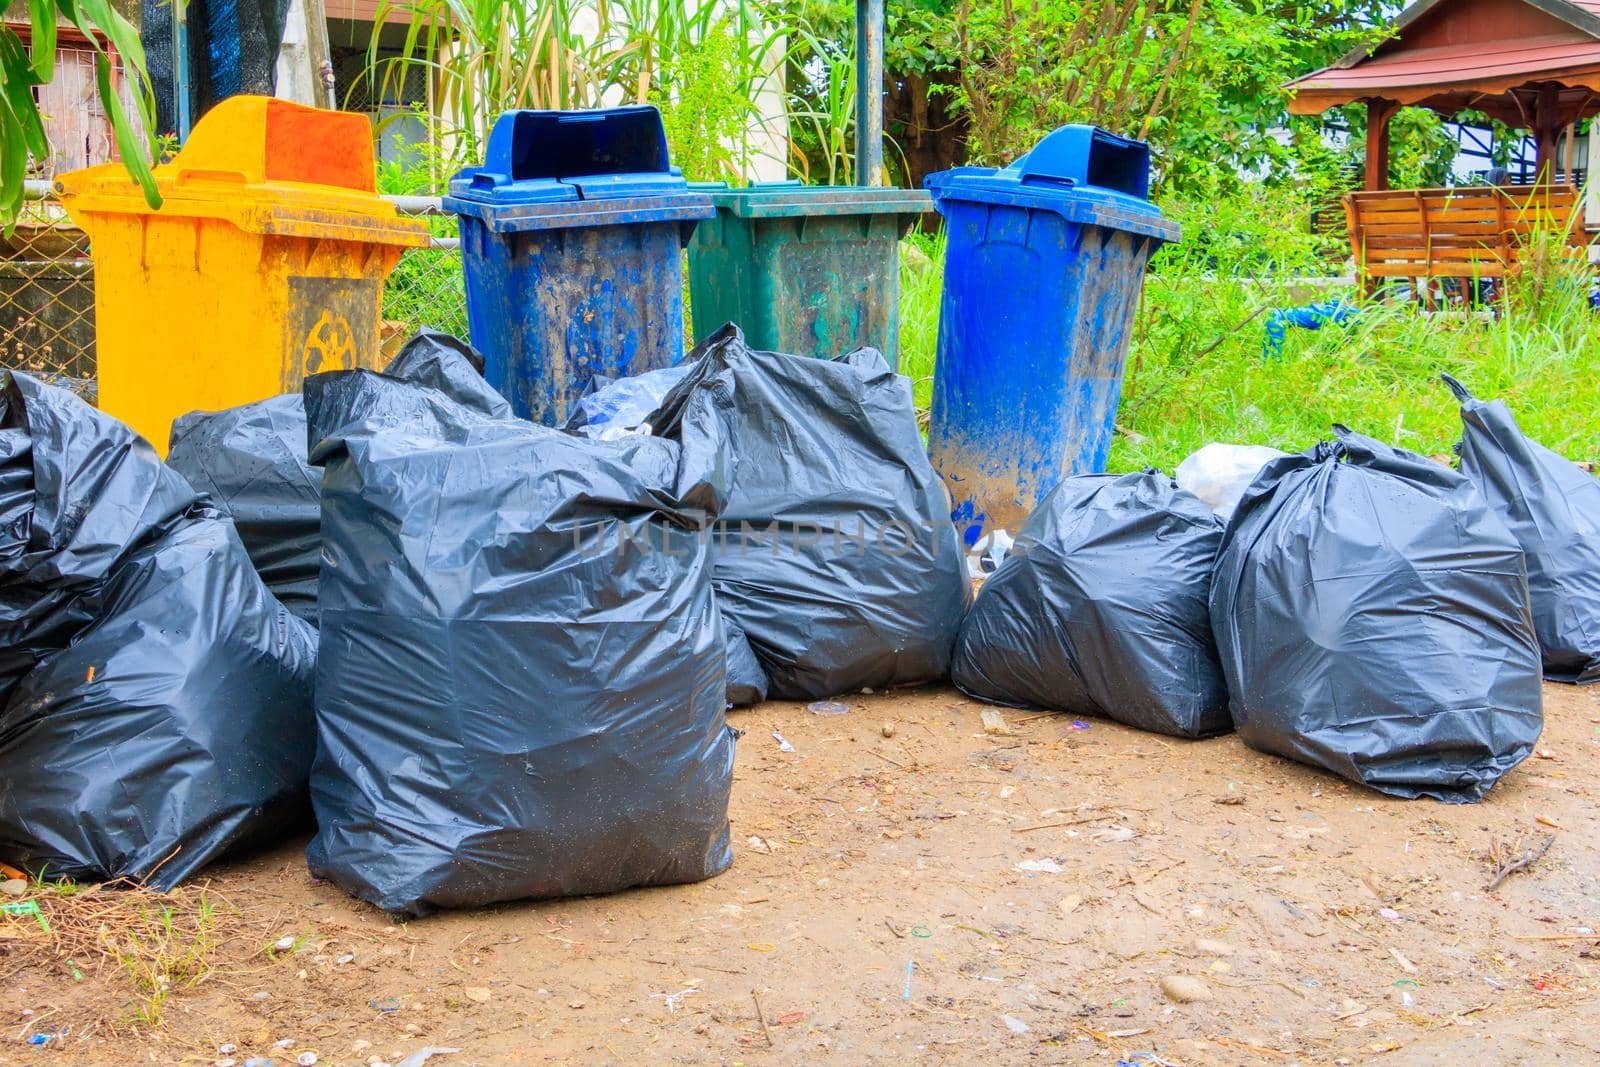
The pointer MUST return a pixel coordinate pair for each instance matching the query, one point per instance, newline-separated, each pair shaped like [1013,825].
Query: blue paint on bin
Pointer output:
[572,237]
[1043,270]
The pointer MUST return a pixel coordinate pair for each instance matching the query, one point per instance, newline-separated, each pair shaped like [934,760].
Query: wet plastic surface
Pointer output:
[155,699]
[835,553]
[521,691]
[1372,617]
[1552,507]
[1100,608]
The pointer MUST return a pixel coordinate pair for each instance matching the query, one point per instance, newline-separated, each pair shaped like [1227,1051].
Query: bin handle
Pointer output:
[489,180]
[1049,179]
[200,175]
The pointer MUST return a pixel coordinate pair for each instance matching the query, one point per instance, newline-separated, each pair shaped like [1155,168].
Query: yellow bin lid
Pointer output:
[269,167]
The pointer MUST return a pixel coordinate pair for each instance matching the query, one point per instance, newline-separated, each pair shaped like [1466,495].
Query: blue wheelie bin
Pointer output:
[1044,265]
[572,237]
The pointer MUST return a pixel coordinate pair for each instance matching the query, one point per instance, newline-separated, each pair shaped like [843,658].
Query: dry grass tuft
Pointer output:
[135,948]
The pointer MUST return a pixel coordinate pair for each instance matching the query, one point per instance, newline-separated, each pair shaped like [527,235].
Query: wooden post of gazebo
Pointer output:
[1546,131]
[1379,112]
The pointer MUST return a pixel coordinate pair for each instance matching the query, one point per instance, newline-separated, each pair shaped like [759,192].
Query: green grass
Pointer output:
[1196,372]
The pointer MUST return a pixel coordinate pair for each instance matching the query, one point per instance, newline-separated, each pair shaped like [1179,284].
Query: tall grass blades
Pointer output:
[705,64]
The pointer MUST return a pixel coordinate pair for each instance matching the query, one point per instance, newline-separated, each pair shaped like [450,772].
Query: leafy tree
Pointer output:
[22,133]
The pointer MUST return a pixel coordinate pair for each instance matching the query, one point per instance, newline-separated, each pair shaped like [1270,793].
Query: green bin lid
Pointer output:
[785,199]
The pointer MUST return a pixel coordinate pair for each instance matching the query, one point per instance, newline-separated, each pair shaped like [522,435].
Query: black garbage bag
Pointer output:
[747,682]
[521,690]
[1100,608]
[251,461]
[155,699]
[1552,508]
[835,554]
[451,366]
[1372,617]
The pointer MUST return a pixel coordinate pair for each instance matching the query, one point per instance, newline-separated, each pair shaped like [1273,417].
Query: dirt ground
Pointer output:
[881,910]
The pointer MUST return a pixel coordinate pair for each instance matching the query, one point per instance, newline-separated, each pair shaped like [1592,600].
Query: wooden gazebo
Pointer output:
[1532,64]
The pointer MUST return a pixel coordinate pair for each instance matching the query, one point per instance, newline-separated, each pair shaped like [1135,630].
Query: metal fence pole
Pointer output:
[869,92]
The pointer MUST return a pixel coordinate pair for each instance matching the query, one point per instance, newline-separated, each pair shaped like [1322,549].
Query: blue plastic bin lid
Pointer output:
[543,157]
[1082,173]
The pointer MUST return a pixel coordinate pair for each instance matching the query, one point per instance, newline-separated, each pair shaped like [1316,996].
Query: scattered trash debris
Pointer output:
[1014,1024]
[1308,317]
[1367,548]
[423,1055]
[783,745]
[615,407]
[671,999]
[994,723]
[828,707]
[911,965]
[986,555]
[284,944]
[1044,866]
[1185,989]
[1219,474]
[29,908]
[1101,609]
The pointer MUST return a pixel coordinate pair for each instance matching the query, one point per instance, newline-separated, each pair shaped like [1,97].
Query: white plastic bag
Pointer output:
[1219,474]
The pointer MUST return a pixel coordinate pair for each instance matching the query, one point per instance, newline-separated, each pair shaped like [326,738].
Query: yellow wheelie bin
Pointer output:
[264,263]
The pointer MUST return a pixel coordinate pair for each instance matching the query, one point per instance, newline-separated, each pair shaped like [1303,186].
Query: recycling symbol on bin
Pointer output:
[330,344]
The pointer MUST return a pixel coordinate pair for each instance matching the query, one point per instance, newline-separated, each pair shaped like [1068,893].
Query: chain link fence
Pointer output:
[47,295]
[427,287]
[47,324]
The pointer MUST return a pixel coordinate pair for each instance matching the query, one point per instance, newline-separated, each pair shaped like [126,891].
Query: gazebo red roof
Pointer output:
[1490,55]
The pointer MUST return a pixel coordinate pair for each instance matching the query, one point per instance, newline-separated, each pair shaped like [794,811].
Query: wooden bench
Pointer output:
[1474,231]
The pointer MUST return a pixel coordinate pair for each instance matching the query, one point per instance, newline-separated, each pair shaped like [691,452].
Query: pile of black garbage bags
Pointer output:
[489,660]
[1363,609]
[492,660]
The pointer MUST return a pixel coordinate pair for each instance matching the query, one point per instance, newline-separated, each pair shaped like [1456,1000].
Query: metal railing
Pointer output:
[47,325]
